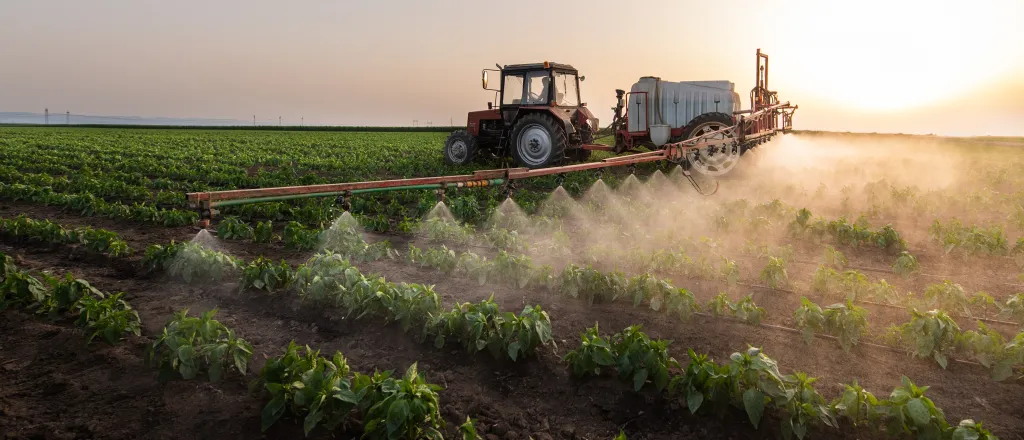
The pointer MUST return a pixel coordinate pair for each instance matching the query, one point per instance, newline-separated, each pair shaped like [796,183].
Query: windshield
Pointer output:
[565,90]
[537,87]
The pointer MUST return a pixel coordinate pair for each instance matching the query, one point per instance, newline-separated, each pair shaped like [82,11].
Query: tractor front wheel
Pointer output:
[538,141]
[460,148]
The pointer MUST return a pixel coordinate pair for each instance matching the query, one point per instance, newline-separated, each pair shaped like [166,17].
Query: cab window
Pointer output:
[566,92]
[512,92]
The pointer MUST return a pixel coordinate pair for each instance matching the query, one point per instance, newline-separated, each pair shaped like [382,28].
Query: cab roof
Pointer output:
[538,66]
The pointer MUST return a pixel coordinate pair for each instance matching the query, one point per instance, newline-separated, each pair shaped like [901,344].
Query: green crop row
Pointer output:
[89,205]
[954,235]
[321,391]
[99,241]
[324,392]
[103,315]
[328,279]
[854,286]
[136,166]
[843,232]
[753,383]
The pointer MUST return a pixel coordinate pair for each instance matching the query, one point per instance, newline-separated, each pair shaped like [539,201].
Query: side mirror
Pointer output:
[484,79]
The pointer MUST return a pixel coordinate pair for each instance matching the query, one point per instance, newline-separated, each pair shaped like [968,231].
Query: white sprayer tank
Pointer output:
[667,105]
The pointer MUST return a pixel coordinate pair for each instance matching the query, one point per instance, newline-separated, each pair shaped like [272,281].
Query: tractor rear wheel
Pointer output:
[537,141]
[719,158]
[460,148]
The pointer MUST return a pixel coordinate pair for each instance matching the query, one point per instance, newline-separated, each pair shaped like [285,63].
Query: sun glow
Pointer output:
[895,55]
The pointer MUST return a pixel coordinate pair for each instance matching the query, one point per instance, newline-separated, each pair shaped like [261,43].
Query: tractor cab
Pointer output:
[536,118]
[538,84]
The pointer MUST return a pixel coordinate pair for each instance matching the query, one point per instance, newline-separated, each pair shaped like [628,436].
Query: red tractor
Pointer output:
[539,120]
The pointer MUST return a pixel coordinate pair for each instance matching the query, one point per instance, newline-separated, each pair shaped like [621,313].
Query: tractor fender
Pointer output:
[561,114]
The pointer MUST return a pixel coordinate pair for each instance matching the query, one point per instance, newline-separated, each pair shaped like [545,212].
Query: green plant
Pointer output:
[6,265]
[883,291]
[745,310]
[909,411]
[324,278]
[809,319]
[505,240]
[905,265]
[64,294]
[309,386]
[982,300]
[1014,308]
[442,258]
[968,430]
[298,236]
[729,271]
[264,232]
[1013,354]
[681,303]
[19,288]
[645,287]
[971,239]
[593,354]
[888,238]
[858,405]
[640,360]
[929,334]
[189,345]
[947,296]
[719,305]
[193,263]
[1018,252]
[110,317]
[833,258]
[403,408]
[263,274]
[774,274]
[591,284]
[232,228]
[516,270]
[803,406]
[101,241]
[468,430]
[757,382]
[159,257]
[472,266]
[846,322]
[482,325]
[439,230]
[984,345]
[704,384]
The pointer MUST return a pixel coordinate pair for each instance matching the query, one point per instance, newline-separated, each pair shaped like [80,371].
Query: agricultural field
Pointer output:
[836,286]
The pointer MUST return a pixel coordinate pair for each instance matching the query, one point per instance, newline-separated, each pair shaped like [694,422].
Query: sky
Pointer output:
[941,67]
